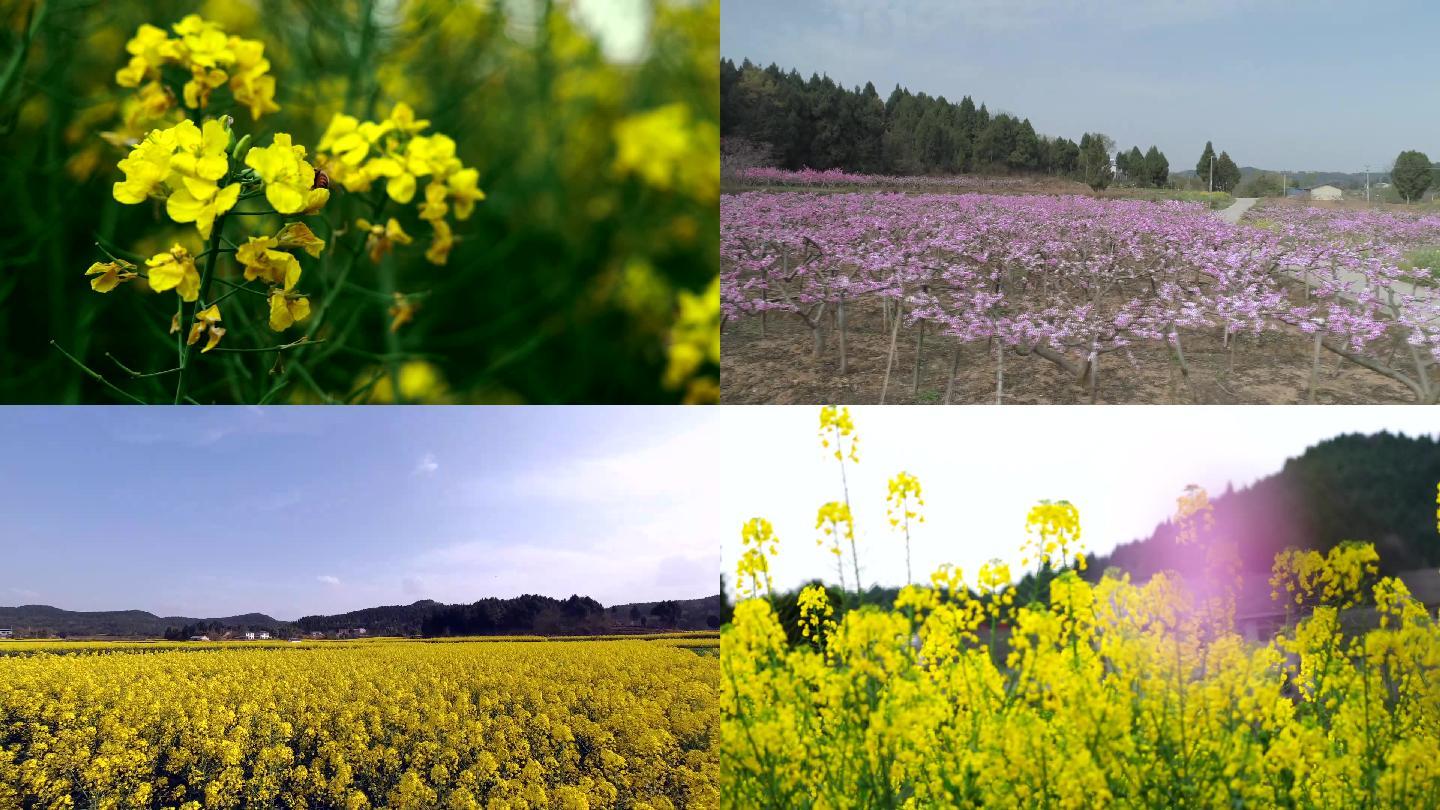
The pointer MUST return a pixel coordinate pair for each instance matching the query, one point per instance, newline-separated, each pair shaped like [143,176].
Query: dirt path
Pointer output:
[1242,204]
[1237,209]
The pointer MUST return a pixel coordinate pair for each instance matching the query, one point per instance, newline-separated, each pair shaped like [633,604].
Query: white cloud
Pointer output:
[428,465]
[636,566]
[927,17]
[631,475]
[328,579]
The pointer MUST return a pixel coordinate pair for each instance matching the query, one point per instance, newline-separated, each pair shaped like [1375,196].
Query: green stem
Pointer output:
[392,339]
[95,375]
[187,350]
[282,347]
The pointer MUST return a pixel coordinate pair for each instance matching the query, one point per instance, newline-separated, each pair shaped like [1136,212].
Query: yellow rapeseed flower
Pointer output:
[381,238]
[289,178]
[287,309]
[261,260]
[669,150]
[694,336]
[174,269]
[206,320]
[146,167]
[109,275]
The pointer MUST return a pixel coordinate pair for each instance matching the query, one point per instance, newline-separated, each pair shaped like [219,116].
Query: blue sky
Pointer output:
[291,511]
[1279,84]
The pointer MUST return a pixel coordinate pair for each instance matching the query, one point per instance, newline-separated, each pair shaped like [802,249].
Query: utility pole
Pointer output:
[1367,182]
[1212,172]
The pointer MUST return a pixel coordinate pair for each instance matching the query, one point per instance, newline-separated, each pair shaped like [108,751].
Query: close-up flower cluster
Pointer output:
[428,201]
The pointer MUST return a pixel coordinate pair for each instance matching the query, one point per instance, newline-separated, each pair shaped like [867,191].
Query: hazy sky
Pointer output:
[1279,84]
[291,511]
[983,468]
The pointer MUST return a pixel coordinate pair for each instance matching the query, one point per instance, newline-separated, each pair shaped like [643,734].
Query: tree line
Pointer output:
[819,124]
[774,117]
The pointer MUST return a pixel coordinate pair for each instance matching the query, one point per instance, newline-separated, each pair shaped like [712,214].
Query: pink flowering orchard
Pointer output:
[1075,279]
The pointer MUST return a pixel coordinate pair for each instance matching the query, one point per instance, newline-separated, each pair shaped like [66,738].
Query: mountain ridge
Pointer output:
[1377,487]
[37,619]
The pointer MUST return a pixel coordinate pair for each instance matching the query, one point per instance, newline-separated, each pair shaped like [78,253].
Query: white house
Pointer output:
[249,636]
[7,633]
[1325,192]
[262,635]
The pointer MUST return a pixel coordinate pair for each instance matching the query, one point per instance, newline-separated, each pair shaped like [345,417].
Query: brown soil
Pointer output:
[1271,369]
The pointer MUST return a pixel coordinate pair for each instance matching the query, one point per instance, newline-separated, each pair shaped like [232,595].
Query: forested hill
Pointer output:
[822,125]
[524,615]
[26,619]
[1378,488]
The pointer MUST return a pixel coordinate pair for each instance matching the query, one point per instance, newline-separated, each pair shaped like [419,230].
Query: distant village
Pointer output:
[264,635]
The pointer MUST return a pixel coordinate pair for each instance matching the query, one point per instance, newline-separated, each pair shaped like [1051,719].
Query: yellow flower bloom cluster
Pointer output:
[397,724]
[265,258]
[357,153]
[816,613]
[184,165]
[757,538]
[902,503]
[212,59]
[1336,578]
[694,342]
[1193,514]
[1052,534]
[669,150]
[289,178]
[837,426]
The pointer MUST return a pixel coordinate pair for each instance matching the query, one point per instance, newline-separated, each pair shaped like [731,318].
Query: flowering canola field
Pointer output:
[1109,694]
[386,724]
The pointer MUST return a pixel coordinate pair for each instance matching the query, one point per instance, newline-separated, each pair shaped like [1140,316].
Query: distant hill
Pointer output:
[1306,179]
[1378,488]
[524,615]
[694,614]
[29,619]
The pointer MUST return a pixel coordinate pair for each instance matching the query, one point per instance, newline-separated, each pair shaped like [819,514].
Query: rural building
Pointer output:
[1258,618]
[262,635]
[7,633]
[199,638]
[249,636]
[1325,192]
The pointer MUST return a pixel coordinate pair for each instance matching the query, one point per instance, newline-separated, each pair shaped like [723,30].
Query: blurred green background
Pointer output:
[565,285]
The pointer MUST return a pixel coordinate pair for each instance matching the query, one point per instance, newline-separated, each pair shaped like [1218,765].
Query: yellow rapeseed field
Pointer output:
[375,724]
[965,693]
